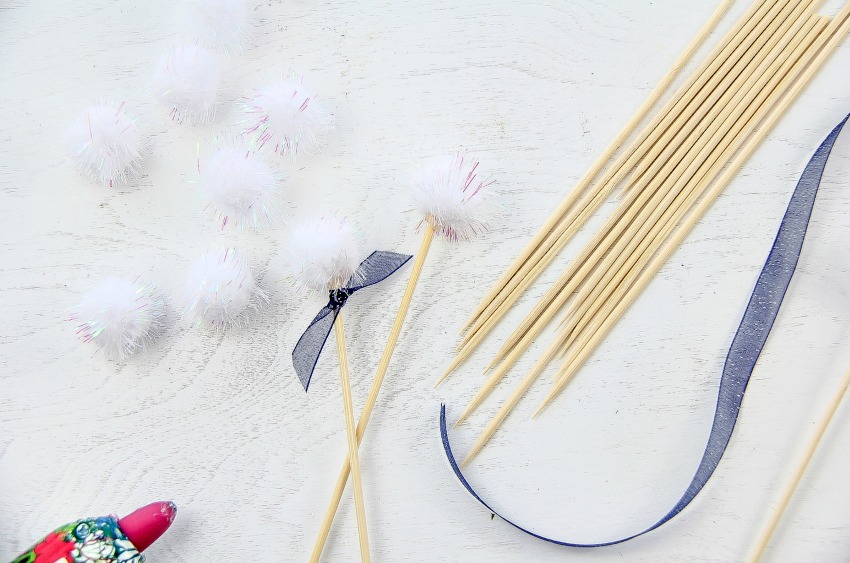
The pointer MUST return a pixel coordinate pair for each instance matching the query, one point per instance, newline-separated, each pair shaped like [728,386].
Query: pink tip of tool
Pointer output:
[147,524]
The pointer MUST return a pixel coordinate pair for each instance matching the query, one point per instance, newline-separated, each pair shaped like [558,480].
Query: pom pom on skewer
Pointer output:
[240,187]
[450,194]
[220,289]
[106,145]
[186,79]
[287,116]
[121,316]
[322,253]
[217,23]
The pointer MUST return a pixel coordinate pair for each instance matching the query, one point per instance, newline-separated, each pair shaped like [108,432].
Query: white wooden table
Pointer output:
[219,423]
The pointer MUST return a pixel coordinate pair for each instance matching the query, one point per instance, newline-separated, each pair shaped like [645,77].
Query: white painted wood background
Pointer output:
[219,423]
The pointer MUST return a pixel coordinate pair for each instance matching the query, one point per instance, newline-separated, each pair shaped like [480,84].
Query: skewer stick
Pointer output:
[472,339]
[710,165]
[708,147]
[738,34]
[353,456]
[508,406]
[607,154]
[758,13]
[790,487]
[824,46]
[834,33]
[532,269]
[761,46]
[625,216]
[572,277]
[372,398]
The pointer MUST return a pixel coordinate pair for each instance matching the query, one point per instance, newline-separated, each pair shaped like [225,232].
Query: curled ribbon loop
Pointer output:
[377,267]
[746,346]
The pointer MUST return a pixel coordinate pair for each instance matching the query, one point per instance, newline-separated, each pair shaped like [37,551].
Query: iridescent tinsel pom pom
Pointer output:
[240,187]
[121,316]
[450,194]
[186,80]
[221,288]
[106,145]
[288,117]
[322,253]
[217,23]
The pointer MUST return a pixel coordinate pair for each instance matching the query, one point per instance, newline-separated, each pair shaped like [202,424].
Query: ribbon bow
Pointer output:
[377,267]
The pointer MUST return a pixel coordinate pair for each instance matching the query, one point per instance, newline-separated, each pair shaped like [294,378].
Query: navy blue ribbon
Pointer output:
[376,268]
[746,346]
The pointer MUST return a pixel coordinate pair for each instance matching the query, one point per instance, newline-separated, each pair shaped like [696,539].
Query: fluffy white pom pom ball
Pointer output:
[218,23]
[288,117]
[322,253]
[186,79]
[240,187]
[450,194]
[106,145]
[121,316]
[220,288]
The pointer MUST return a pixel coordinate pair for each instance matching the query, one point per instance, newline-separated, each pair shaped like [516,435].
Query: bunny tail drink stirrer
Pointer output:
[448,193]
[322,254]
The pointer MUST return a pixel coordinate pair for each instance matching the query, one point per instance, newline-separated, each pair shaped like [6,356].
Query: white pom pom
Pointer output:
[106,145]
[218,23]
[240,187]
[288,117]
[322,253]
[451,196]
[120,316]
[220,288]
[186,79]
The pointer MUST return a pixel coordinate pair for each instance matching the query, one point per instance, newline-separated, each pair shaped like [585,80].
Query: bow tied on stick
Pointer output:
[374,269]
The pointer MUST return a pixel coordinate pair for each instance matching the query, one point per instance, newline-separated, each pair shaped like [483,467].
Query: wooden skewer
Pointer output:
[641,224]
[554,350]
[719,152]
[824,46]
[608,276]
[553,300]
[353,456]
[578,336]
[627,130]
[738,34]
[761,46]
[813,60]
[757,14]
[532,268]
[820,24]
[709,166]
[472,339]
[572,277]
[725,126]
[508,406]
[790,487]
[372,398]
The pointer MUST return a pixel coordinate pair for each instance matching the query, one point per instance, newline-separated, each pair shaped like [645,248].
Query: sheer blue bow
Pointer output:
[377,267]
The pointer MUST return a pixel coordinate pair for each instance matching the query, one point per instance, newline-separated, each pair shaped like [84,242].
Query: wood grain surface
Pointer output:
[219,422]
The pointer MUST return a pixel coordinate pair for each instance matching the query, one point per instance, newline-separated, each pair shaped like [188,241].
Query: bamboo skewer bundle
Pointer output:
[748,31]
[637,214]
[550,235]
[678,166]
[743,34]
[825,43]
[714,136]
[816,32]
